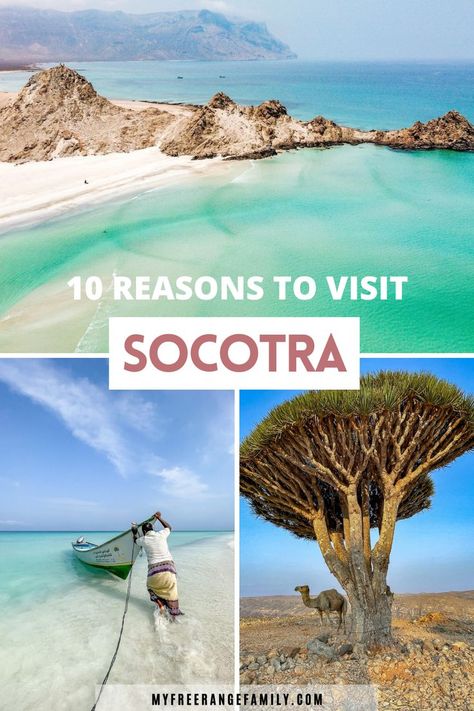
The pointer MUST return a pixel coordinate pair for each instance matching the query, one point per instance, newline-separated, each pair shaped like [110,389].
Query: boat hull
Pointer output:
[117,556]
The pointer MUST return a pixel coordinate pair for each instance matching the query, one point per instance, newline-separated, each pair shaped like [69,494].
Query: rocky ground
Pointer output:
[430,666]
[58,113]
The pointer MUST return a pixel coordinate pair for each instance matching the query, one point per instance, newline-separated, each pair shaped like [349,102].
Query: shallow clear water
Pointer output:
[50,601]
[344,211]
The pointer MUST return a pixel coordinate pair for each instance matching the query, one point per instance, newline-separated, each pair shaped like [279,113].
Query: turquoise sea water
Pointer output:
[52,564]
[53,605]
[345,211]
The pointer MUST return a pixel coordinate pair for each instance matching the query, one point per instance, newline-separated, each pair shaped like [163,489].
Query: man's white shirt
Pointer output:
[155,545]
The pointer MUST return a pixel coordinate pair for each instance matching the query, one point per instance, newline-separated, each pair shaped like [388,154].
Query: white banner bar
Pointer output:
[228,353]
[254,697]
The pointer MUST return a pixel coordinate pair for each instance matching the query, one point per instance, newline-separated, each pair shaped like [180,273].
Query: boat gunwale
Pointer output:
[120,535]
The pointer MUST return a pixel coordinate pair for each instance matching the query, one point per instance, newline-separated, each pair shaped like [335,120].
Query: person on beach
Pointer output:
[161,581]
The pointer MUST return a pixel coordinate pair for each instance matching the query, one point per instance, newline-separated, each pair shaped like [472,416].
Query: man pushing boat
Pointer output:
[161,580]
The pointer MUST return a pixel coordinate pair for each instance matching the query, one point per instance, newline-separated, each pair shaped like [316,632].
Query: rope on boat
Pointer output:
[114,657]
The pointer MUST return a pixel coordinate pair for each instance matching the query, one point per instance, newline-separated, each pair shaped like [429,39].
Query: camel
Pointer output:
[327,601]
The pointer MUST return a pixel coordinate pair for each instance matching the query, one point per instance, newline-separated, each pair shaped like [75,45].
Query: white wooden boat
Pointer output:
[117,555]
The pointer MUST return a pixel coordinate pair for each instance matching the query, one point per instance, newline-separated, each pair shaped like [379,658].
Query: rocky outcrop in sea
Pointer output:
[225,128]
[450,132]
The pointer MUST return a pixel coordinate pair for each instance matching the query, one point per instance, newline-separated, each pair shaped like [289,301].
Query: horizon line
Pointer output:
[35,63]
[112,530]
[424,592]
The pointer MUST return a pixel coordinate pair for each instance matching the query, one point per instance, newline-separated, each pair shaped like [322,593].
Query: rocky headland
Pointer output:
[451,131]
[58,113]
[225,128]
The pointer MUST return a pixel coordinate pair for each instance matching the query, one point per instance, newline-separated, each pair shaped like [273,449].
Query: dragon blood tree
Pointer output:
[333,465]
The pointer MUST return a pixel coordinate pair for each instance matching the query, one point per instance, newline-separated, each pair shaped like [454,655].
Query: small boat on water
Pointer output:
[117,555]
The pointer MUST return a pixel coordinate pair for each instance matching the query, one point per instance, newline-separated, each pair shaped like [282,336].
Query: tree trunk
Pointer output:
[371,618]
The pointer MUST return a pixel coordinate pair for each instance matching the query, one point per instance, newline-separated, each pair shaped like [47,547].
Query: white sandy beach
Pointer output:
[37,190]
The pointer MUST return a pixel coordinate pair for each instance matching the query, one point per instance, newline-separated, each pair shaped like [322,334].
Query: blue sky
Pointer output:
[76,456]
[339,29]
[433,551]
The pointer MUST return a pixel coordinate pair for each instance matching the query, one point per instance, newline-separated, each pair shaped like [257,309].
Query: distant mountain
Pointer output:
[28,35]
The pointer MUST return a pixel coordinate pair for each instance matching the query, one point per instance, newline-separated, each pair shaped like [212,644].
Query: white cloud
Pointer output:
[91,413]
[83,407]
[180,482]
[12,522]
[140,414]
[101,419]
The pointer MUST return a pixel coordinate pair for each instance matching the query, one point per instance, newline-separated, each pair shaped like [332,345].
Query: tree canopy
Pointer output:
[384,439]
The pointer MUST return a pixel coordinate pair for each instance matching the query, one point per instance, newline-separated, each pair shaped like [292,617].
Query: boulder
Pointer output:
[320,649]
[345,649]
